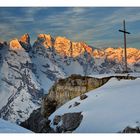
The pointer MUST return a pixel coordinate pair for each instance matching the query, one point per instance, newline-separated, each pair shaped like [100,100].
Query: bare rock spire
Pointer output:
[25,42]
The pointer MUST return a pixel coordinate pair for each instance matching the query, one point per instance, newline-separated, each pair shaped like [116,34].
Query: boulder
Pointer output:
[76,104]
[131,130]
[70,121]
[56,119]
[83,96]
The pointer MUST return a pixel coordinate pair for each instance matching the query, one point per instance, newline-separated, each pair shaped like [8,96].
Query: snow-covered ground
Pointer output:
[7,127]
[108,109]
[135,74]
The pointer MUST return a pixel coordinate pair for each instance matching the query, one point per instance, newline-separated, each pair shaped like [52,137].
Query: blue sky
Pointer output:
[96,26]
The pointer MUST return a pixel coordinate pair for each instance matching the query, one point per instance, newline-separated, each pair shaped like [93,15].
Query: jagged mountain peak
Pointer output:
[67,47]
[62,45]
[44,36]
[1,44]
[87,48]
[62,38]
[25,42]
[14,44]
[117,54]
[25,38]
[45,40]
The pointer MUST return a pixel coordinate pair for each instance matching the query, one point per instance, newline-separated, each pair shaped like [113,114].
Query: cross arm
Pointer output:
[124,31]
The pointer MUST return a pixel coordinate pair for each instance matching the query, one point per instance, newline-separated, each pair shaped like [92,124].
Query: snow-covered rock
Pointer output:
[108,109]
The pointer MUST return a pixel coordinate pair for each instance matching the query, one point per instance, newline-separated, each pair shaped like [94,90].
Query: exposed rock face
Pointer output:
[69,88]
[66,47]
[1,44]
[66,123]
[69,122]
[46,40]
[71,49]
[15,45]
[83,96]
[117,54]
[51,105]
[56,120]
[25,42]
[76,104]
[43,45]
[37,123]
[131,130]
[63,46]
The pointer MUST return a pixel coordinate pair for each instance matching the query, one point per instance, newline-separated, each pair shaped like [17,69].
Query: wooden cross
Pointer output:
[125,52]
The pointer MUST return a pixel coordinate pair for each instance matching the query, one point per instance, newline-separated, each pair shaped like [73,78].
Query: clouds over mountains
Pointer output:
[96,26]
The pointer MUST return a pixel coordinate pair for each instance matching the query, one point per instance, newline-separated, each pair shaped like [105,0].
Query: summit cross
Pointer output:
[125,51]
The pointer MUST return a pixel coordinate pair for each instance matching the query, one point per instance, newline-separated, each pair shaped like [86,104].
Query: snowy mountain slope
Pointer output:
[108,109]
[47,70]
[67,54]
[7,127]
[19,90]
[55,54]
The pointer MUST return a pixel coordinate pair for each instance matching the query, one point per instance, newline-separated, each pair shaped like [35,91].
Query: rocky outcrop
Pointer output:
[15,45]
[25,42]
[83,96]
[67,89]
[68,122]
[63,46]
[117,54]
[71,87]
[46,40]
[37,123]
[131,130]
[50,104]
[63,91]
[68,48]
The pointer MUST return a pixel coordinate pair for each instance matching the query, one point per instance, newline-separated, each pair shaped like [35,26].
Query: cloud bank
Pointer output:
[96,26]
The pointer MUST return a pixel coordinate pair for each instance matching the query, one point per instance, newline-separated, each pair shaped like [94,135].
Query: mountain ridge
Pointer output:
[66,47]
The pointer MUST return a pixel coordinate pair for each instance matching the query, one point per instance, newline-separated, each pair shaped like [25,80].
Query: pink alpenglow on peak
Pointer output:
[15,45]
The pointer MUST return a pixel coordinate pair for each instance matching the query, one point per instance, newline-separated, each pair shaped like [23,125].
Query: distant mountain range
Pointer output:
[28,71]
